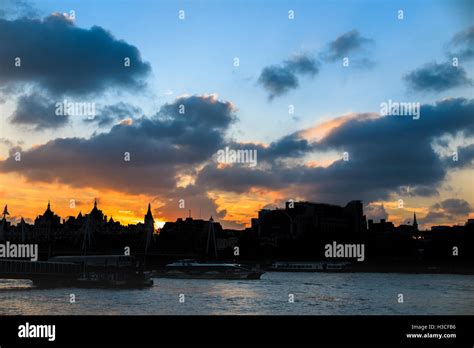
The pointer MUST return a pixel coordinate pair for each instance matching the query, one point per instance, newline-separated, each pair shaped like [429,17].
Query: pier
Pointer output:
[36,270]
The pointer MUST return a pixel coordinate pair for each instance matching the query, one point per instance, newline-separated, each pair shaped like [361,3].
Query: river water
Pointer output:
[314,294]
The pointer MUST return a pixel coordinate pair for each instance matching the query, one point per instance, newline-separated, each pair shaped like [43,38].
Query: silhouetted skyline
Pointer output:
[95,211]
[300,230]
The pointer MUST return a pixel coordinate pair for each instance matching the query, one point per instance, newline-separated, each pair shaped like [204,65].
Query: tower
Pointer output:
[96,216]
[48,225]
[149,221]
[48,213]
[415,224]
[149,227]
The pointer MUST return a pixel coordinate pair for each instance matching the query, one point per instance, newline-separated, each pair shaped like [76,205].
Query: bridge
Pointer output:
[38,270]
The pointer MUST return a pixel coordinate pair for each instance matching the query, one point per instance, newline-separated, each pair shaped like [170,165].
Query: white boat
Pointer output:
[310,266]
[190,269]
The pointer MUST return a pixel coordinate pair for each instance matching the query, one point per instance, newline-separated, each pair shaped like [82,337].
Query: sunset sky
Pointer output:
[240,69]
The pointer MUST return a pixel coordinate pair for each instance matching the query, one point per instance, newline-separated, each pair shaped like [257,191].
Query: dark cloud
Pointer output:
[462,44]
[111,114]
[67,59]
[288,146]
[385,155]
[423,191]
[303,64]
[434,217]
[160,147]
[465,158]
[452,210]
[437,77]
[348,44]
[37,112]
[453,206]
[238,179]
[205,113]
[420,190]
[390,152]
[279,79]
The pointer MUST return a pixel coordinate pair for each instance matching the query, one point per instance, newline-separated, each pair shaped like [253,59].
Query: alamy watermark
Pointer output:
[230,156]
[392,108]
[345,251]
[28,330]
[66,108]
[22,251]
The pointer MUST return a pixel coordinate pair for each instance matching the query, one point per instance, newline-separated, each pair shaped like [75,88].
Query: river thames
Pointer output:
[313,293]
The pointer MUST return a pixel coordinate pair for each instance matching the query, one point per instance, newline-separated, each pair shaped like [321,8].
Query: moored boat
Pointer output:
[117,271]
[190,269]
[310,267]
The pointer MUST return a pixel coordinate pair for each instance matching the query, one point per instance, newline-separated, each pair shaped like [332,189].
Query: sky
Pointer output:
[250,76]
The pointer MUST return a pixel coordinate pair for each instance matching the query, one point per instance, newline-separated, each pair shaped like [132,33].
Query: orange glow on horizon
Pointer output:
[29,199]
[243,207]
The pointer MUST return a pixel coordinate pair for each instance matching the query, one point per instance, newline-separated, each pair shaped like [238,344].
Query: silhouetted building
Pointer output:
[303,228]
[96,217]
[380,227]
[149,222]
[187,237]
[47,227]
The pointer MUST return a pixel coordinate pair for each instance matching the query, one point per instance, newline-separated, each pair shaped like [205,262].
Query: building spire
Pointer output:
[149,215]
[95,203]
[48,209]
[415,224]
[5,212]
